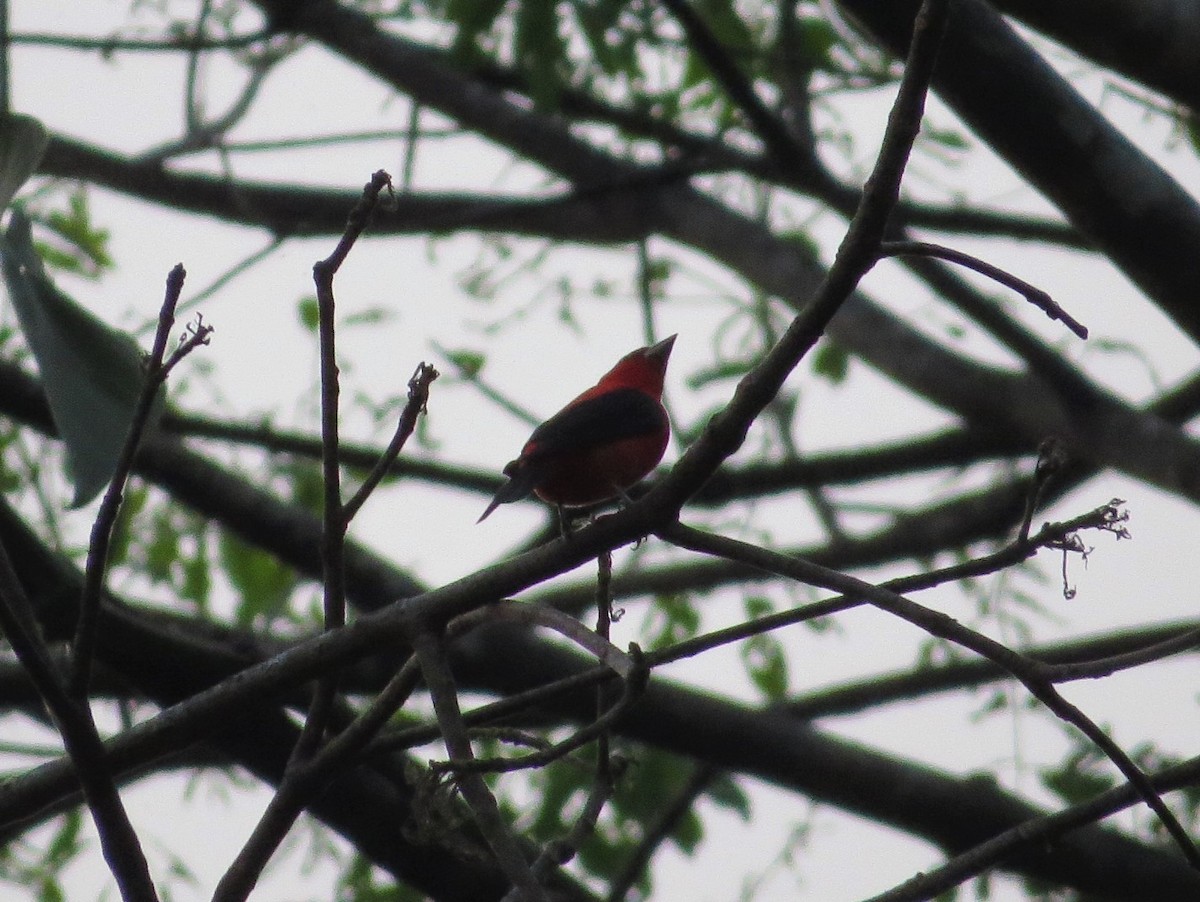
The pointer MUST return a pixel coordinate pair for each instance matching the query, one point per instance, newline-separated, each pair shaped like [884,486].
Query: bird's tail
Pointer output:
[521,480]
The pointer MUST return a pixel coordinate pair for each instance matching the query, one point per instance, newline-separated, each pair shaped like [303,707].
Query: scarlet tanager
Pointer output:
[601,443]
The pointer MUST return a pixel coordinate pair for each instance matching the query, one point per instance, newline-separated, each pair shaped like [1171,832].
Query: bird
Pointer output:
[601,443]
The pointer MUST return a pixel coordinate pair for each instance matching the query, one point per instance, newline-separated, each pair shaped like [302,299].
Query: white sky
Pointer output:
[264,361]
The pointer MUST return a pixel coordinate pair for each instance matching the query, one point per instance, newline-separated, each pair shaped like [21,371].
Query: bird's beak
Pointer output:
[661,351]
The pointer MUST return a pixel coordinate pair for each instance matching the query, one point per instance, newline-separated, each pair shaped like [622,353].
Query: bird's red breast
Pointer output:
[602,442]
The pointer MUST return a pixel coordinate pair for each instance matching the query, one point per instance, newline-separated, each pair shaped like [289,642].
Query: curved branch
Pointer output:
[1033,676]
[1136,212]
[887,688]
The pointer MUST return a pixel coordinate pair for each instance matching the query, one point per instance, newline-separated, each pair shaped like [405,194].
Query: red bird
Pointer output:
[601,443]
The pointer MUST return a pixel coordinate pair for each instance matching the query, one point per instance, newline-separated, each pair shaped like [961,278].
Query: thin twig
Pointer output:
[1031,293]
[1110,652]
[1107,666]
[474,790]
[106,517]
[1037,831]
[241,266]
[409,165]
[1031,674]
[191,103]
[113,44]
[559,851]
[418,398]
[564,624]
[857,253]
[532,698]
[631,691]
[1015,553]
[667,819]
[1053,458]
[295,788]
[333,533]
[5,43]
[472,377]
[791,155]
[631,668]
[303,780]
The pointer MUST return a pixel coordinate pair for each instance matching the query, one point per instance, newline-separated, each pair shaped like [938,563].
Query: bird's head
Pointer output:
[642,369]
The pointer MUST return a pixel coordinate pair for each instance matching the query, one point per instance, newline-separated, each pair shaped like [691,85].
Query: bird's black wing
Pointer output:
[619,414]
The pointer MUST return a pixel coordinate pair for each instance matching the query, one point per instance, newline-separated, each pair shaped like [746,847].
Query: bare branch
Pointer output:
[418,398]
[937,880]
[474,789]
[1030,673]
[1031,293]
[86,753]
[110,506]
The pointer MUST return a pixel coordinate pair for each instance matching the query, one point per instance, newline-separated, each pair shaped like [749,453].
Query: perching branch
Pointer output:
[855,256]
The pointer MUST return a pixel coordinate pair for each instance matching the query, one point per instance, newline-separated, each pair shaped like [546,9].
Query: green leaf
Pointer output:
[766,664]
[264,583]
[87,251]
[949,138]
[469,363]
[1075,784]
[372,316]
[121,544]
[306,486]
[93,373]
[831,361]
[473,18]
[604,857]
[162,552]
[557,783]
[611,47]
[726,792]
[539,49]
[197,578]
[818,37]
[23,140]
[671,619]
[688,833]
[1191,128]
[757,606]
[66,843]
[804,242]
[361,882]
[720,371]
[727,26]
[309,312]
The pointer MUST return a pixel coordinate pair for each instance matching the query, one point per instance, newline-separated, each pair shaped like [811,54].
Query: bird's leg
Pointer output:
[623,501]
[566,518]
[564,522]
